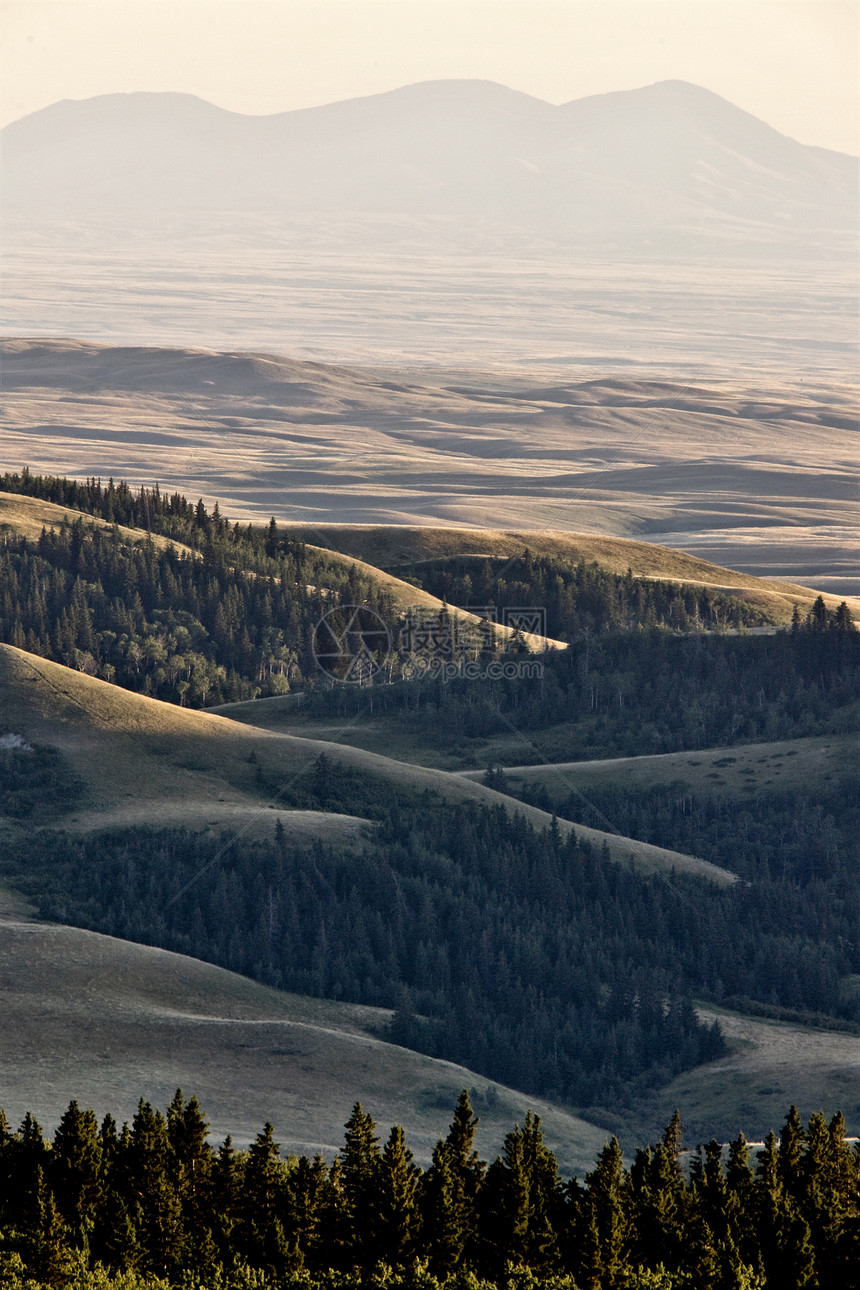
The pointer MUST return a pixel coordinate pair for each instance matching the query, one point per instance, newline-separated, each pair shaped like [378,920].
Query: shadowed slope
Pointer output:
[107,1021]
[143,759]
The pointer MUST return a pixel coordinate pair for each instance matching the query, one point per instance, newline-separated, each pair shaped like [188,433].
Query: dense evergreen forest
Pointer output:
[807,837]
[632,693]
[581,598]
[236,619]
[531,959]
[233,624]
[526,958]
[154,1204]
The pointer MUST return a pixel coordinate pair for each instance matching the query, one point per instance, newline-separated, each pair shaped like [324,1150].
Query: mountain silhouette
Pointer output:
[665,165]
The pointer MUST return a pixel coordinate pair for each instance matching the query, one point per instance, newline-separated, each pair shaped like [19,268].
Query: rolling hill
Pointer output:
[395,545]
[28,516]
[744,771]
[108,1021]
[758,478]
[144,761]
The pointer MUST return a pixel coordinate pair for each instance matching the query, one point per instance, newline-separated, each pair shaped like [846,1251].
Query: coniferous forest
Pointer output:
[524,954]
[153,1203]
[530,959]
[233,617]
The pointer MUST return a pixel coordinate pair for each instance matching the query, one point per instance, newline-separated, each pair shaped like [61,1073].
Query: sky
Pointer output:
[793,63]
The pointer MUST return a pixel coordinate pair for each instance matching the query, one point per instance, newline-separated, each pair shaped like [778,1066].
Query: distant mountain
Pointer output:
[654,165]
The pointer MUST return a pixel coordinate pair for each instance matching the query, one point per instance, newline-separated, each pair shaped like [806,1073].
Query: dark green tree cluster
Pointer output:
[822,619]
[256,547]
[34,779]
[808,837]
[154,1197]
[155,621]
[528,958]
[626,694]
[581,598]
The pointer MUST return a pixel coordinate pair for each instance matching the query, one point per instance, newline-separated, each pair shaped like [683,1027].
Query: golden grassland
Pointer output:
[140,758]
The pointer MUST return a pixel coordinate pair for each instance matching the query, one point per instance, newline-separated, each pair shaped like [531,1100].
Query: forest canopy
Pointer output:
[154,1199]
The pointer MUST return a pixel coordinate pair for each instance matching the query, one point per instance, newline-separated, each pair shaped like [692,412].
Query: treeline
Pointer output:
[808,836]
[256,547]
[582,597]
[625,694]
[158,622]
[527,958]
[155,1199]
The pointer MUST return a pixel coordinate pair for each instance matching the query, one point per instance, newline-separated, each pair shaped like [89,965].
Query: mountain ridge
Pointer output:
[633,163]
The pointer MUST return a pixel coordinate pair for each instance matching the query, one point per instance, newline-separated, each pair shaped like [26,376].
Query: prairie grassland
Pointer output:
[108,1021]
[743,770]
[754,472]
[142,760]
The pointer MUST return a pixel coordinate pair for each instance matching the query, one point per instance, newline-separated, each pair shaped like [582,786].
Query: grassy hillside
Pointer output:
[769,1062]
[108,1021]
[390,546]
[745,770]
[144,761]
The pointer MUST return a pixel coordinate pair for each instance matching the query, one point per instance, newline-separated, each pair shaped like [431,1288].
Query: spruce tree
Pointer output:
[76,1169]
[359,1163]
[398,1216]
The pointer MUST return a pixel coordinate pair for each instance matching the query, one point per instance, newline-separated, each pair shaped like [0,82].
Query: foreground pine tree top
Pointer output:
[154,1204]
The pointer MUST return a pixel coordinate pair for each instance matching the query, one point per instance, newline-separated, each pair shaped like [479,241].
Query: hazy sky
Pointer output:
[794,63]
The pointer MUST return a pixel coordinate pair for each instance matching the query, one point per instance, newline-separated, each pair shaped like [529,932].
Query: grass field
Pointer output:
[107,1021]
[744,770]
[142,760]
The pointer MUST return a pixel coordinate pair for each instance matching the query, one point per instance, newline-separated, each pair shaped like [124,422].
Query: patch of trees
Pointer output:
[255,547]
[625,694]
[158,622]
[100,1206]
[34,779]
[807,837]
[581,598]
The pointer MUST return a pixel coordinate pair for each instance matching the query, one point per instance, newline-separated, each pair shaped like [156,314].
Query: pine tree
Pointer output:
[607,1214]
[76,1169]
[396,1204]
[49,1254]
[360,1162]
[451,1189]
